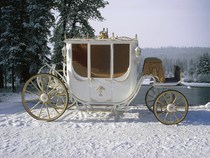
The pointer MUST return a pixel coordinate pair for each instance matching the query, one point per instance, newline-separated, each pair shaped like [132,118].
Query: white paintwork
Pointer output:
[103,90]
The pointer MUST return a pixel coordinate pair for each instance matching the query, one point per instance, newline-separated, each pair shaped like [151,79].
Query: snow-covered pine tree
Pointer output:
[204,64]
[189,70]
[25,28]
[1,59]
[74,16]
[203,68]
[11,41]
[1,77]
[37,26]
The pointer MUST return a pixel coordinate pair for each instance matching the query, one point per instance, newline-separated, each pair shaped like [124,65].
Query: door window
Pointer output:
[100,61]
[121,59]
[79,59]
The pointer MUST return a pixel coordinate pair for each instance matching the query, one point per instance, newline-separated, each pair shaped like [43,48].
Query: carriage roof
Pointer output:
[103,40]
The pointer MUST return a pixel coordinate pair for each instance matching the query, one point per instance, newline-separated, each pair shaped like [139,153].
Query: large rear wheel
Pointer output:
[45,97]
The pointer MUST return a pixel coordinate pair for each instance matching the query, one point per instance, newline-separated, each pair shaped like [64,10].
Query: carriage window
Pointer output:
[79,59]
[121,59]
[100,61]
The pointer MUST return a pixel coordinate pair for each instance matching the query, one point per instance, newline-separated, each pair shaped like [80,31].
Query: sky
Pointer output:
[159,23]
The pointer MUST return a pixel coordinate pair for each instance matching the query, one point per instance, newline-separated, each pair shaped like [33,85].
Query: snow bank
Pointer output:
[6,96]
[208,105]
[194,84]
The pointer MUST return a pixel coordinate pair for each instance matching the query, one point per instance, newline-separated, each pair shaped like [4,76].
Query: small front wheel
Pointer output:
[170,107]
[45,97]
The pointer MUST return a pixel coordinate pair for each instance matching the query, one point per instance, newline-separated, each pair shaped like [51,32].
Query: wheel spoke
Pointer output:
[31,92]
[47,111]
[165,99]
[176,116]
[150,100]
[165,116]
[152,96]
[174,100]
[48,84]
[71,104]
[54,88]
[152,90]
[61,94]
[58,95]
[42,85]
[35,87]
[170,117]
[29,100]
[162,112]
[178,101]
[53,107]
[161,103]
[173,97]
[41,110]
[35,106]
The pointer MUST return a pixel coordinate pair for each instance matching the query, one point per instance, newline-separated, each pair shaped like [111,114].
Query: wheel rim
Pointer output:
[150,97]
[45,97]
[170,107]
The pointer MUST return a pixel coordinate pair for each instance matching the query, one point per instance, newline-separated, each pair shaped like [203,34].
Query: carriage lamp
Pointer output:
[64,51]
[137,51]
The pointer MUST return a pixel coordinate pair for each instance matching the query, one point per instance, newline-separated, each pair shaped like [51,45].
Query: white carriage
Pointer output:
[102,72]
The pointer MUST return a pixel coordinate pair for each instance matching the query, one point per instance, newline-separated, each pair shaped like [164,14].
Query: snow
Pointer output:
[194,84]
[147,81]
[89,134]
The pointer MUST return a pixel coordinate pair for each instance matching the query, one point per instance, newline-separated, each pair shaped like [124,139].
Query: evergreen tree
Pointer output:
[11,41]
[191,68]
[25,27]
[1,63]
[204,64]
[37,28]
[74,21]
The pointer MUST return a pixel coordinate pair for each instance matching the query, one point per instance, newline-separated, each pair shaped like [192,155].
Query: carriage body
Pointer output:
[102,71]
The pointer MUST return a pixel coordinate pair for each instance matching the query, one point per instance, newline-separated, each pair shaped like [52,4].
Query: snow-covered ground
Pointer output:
[79,134]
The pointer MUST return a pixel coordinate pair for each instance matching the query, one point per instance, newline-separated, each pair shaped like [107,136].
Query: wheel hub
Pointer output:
[44,98]
[171,108]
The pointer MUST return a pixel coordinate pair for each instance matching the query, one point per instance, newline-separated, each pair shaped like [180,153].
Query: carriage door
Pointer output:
[100,73]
